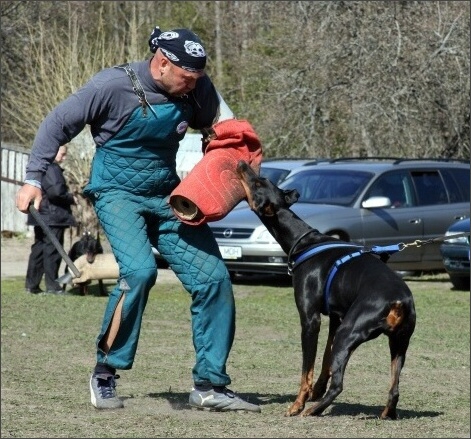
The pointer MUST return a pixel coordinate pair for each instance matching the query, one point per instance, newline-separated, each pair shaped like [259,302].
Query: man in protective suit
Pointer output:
[137,114]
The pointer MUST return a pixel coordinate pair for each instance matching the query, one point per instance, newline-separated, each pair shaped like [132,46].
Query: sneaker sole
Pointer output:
[210,409]
[215,409]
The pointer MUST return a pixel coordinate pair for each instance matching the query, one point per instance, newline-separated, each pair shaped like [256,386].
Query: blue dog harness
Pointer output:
[383,252]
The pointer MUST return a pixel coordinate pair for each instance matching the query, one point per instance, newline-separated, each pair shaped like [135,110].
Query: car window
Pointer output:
[330,187]
[395,186]
[457,182]
[429,187]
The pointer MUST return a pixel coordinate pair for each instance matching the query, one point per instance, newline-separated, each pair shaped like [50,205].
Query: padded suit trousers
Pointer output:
[134,223]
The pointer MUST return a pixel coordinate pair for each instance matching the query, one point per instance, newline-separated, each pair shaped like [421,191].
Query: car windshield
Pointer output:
[327,186]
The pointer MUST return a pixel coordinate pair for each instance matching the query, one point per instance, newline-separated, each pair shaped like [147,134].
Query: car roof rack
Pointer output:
[397,160]
[432,159]
[277,159]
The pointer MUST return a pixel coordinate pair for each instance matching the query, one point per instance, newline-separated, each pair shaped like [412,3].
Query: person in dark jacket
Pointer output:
[56,212]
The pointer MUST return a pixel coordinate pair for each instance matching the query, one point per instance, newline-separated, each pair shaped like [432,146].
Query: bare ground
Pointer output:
[48,350]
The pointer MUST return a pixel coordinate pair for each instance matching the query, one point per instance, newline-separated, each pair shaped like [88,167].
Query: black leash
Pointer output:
[420,243]
[389,249]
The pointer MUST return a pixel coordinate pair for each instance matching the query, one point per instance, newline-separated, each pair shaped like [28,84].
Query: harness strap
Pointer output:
[330,277]
[317,249]
[382,252]
[293,247]
[138,89]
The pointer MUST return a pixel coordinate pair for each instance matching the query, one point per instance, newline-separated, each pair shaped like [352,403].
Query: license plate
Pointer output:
[228,252]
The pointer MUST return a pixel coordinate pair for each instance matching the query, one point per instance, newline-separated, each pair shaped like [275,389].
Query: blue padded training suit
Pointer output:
[133,173]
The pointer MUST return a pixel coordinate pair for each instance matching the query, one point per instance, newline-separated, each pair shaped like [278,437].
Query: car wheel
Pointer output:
[460,283]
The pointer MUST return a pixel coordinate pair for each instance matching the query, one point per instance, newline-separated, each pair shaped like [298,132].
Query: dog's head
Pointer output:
[264,198]
[90,246]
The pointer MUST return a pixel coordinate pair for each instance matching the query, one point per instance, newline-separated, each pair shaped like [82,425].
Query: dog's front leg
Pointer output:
[309,336]
[304,392]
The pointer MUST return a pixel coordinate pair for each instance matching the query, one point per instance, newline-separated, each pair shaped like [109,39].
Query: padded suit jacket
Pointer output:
[106,103]
[55,206]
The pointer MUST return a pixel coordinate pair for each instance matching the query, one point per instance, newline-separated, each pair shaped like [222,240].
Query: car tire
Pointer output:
[460,283]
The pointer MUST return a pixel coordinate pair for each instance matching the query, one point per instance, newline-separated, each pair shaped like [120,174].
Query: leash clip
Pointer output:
[417,243]
[290,268]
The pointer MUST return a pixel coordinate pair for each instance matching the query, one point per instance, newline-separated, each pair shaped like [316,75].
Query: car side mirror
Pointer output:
[376,203]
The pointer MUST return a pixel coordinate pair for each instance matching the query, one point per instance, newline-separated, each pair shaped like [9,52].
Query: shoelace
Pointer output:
[225,390]
[107,386]
[229,393]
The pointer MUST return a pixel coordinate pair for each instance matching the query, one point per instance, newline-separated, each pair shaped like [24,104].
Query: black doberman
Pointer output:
[90,246]
[363,299]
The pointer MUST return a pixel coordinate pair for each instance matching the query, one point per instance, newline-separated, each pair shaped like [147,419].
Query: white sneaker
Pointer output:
[223,401]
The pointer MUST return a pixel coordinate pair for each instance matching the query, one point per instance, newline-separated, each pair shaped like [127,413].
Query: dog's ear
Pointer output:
[291,196]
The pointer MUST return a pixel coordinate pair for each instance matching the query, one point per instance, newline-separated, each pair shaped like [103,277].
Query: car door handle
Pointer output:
[415,221]
[460,217]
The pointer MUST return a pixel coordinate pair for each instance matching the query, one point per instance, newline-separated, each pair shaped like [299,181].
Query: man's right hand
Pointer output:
[27,194]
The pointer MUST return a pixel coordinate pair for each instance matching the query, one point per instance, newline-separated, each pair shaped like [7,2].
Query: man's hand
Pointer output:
[27,194]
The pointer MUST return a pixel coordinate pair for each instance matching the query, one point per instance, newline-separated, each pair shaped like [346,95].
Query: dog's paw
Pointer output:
[294,410]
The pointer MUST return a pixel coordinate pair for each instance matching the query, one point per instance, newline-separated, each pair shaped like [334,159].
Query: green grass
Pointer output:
[48,351]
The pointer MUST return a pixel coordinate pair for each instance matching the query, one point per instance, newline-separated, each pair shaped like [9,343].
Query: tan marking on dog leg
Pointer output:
[321,384]
[389,411]
[304,392]
[309,411]
[395,316]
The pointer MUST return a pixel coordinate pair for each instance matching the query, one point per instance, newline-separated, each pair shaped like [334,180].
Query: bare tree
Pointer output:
[324,78]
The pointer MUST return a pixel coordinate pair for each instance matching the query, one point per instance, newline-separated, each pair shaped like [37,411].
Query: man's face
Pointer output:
[175,80]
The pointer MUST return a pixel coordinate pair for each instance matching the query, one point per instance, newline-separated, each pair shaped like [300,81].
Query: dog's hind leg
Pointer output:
[352,332]
[398,344]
